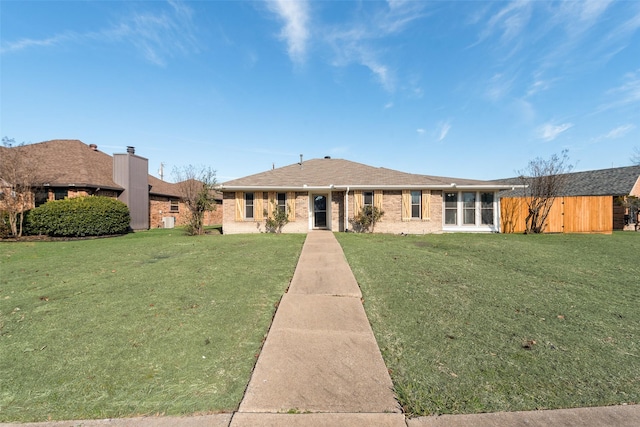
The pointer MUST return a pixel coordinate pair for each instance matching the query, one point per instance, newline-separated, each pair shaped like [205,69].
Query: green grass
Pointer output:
[149,323]
[484,323]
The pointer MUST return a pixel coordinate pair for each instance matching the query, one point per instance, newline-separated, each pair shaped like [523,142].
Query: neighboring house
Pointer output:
[589,203]
[71,168]
[326,193]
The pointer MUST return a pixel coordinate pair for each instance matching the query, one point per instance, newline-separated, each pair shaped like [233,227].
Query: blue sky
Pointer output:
[468,89]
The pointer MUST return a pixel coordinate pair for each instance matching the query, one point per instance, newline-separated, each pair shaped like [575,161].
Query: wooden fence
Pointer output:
[577,214]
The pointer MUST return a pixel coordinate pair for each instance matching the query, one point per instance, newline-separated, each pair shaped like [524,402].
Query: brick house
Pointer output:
[71,168]
[326,193]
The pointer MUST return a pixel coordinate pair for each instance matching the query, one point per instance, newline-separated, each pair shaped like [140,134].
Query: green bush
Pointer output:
[79,216]
[278,219]
[5,230]
[365,220]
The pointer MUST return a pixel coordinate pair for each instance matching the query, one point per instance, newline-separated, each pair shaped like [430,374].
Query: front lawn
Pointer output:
[484,323]
[149,323]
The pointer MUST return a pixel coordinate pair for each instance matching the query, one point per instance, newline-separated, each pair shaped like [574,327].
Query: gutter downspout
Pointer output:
[346,209]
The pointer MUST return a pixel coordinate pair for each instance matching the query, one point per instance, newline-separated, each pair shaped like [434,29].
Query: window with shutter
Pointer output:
[291,203]
[248,205]
[239,205]
[426,205]
[406,205]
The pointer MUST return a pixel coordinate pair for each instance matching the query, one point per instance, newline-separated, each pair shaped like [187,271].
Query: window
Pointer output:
[469,208]
[486,208]
[174,206]
[248,205]
[41,197]
[282,202]
[368,198]
[59,193]
[416,208]
[451,208]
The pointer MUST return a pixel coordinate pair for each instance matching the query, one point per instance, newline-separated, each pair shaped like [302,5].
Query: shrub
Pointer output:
[366,219]
[79,216]
[5,230]
[277,221]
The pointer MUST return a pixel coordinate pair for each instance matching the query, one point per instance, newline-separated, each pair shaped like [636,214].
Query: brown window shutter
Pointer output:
[271,203]
[239,205]
[426,205]
[291,205]
[406,205]
[358,201]
[258,206]
[377,199]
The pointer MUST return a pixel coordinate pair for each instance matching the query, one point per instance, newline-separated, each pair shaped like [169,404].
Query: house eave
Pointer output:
[81,185]
[342,187]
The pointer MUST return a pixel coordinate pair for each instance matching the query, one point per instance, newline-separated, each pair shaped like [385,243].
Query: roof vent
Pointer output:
[131,150]
[94,147]
[327,157]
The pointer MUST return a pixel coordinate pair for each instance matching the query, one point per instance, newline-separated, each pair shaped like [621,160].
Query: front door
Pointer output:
[319,211]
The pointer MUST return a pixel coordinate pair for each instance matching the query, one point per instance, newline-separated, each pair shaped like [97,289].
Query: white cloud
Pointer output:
[388,105]
[295,32]
[510,22]
[625,94]
[499,86]
[352,47]
[549,132]
[27,43]
[357,41]
[420,131]
[618,132]
[381,73]
[157,35]
[443,129]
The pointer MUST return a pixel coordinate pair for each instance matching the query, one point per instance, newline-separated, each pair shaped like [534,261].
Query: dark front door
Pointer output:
[319,211]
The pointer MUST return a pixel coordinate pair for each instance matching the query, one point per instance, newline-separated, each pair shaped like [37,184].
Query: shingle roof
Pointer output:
[601,182]
[340,172]
[162,188]
[65,162]
[70,162]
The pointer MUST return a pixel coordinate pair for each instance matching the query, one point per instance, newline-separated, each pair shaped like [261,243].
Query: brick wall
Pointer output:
[391,222]
[231,226]
[160,207]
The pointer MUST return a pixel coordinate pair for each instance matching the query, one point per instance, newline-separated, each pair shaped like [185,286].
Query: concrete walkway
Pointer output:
[320,355]
[321,366]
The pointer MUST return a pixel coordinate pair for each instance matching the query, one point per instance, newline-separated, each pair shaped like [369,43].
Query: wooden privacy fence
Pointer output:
[575,214]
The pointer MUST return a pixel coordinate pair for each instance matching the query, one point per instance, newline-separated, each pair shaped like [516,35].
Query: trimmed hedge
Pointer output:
[79,216]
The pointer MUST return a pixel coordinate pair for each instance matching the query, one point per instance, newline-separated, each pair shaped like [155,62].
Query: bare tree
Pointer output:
[635,158]
[196,185]
[545,179]
[19,180]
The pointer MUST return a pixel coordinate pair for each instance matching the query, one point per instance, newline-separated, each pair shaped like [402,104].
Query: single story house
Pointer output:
[71,168]
[327,193]
[590,202]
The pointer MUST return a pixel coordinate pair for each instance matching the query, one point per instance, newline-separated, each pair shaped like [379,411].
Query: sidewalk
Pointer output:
[320,355]
[321,366]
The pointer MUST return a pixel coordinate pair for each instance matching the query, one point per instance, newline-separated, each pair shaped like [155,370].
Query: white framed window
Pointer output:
[367,197]
[469,208]
[416,205]
[282,202]
[473,210]
[486,208]
[451,208]
[248,205]
[174,205]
